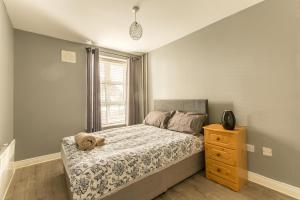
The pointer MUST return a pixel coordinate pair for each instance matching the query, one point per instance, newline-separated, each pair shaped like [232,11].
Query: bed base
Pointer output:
[158,183]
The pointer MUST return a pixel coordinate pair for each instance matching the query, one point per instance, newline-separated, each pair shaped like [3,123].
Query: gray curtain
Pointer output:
[137,90]
[145,84]
[93,91]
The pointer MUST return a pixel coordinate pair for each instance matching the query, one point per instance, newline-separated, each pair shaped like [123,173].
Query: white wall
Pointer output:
[6,77]
[6,98]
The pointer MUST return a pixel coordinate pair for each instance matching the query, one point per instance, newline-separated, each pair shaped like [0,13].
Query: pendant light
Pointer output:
[135,30]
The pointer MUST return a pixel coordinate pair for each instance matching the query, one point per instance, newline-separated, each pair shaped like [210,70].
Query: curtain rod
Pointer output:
[115,54]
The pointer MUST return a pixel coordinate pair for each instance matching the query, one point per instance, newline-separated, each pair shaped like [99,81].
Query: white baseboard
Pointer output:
[36,160]
[274,185]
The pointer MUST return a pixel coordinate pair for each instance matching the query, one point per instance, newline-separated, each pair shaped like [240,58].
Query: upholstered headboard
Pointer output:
[187,105]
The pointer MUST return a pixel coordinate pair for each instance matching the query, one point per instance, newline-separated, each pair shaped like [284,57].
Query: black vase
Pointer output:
[228,120]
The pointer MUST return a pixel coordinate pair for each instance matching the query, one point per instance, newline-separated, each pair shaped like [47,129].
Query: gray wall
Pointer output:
[49,94]
[248,62]
[6,77]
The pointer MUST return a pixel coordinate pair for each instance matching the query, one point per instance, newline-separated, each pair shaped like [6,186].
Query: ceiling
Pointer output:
[106,22]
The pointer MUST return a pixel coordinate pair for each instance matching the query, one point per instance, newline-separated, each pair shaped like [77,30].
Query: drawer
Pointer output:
[227,156]
[222,170]
[224,139]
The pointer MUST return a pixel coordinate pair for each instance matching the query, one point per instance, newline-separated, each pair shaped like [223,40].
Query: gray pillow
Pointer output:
[158,118]
[187,122]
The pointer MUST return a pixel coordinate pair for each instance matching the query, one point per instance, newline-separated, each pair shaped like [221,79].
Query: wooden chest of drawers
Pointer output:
[225,155]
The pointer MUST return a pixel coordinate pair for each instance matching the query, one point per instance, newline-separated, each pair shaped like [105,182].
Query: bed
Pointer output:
[138,162]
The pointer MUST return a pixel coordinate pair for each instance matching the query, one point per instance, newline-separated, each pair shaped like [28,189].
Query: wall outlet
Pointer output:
[267,151]
[68,56]
[250,148]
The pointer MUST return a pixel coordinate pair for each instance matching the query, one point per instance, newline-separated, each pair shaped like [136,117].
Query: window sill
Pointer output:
[105,127]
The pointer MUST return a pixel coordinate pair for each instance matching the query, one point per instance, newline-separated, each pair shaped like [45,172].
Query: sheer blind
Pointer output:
[113,91]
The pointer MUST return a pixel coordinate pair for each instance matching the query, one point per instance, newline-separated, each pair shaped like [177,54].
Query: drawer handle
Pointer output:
[218,139]
[218,154]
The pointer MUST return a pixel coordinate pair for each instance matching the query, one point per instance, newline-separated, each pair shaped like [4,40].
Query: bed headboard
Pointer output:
[187,105]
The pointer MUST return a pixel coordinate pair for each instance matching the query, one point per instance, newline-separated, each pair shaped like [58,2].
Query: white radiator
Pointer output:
[7,154]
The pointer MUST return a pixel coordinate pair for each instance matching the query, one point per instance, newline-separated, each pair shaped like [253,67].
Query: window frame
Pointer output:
[109,82]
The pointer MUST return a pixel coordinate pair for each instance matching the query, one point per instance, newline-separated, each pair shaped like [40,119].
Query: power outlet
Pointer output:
[267,151]
[250,148]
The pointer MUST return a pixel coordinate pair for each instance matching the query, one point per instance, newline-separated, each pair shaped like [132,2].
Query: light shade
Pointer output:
[135,31]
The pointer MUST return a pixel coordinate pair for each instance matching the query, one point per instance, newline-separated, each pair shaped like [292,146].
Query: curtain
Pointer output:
[93,91]
[137,89]
[145,84]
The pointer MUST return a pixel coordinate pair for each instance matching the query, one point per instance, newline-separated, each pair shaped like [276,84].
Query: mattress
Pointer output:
[129,155]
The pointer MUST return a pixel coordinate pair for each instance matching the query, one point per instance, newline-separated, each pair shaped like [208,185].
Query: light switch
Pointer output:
[68,56]
[267,151]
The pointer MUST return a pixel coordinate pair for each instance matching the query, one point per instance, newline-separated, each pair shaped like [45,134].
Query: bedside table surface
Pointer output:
[219,127]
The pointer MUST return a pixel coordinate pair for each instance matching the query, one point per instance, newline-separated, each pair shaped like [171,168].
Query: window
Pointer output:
[113,91]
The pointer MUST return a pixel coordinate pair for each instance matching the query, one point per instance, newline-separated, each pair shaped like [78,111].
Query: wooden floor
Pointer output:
[46,182]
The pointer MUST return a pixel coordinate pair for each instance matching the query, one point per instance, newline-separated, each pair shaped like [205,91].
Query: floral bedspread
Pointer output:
[130,154]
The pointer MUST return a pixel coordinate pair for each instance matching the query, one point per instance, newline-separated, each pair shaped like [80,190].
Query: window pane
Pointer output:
[117,73]
[116,114]
[113,91]
[116,93]
[102,72]
[102,92]
[103,115]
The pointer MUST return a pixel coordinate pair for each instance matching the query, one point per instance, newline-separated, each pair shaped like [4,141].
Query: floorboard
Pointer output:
[46,181]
